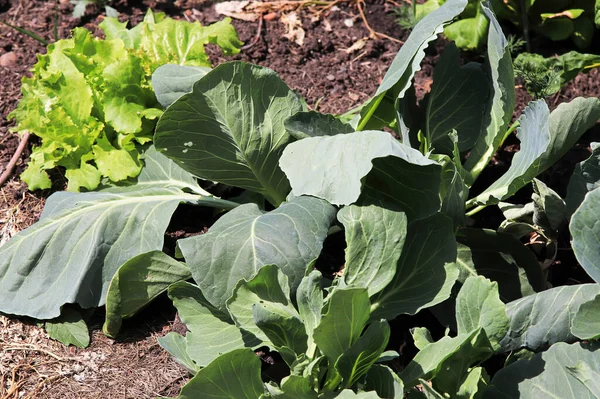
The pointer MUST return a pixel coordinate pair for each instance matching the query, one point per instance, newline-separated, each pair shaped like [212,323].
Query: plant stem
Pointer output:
[332,381]
[258,33]
[509,131]
[370,113]
[475,172]
[470,203]
[525,21]
[13,161]
[475,210]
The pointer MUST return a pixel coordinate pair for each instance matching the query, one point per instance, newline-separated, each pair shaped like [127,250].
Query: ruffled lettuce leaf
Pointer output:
[91,100]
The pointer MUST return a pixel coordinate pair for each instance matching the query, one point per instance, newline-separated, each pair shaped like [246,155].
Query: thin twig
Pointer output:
[279,5]
[170,384]
[395,4]
[13,161]
[14,385]
[33,348]
[33,393]
[373,33]
[257,36]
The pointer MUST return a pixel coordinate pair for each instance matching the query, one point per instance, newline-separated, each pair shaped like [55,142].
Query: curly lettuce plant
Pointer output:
[91,102]
[249,284]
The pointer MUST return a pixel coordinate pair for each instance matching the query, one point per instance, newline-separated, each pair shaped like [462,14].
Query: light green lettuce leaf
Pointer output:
[180,42]
[85,90]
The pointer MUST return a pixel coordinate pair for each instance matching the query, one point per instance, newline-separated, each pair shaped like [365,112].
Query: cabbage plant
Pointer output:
[404,203]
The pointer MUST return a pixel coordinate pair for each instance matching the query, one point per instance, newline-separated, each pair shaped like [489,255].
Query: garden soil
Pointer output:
[324,69]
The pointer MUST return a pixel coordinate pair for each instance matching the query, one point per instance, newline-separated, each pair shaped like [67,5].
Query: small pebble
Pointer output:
[349,22]
[8,59]
[330,77]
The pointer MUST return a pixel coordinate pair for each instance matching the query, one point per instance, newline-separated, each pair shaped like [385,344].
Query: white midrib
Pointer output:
[113,203]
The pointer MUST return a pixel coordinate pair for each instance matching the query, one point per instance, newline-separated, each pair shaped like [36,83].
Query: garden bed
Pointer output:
[331,79]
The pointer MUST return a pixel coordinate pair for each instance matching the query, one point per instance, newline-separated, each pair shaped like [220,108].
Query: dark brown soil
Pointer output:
[331,80]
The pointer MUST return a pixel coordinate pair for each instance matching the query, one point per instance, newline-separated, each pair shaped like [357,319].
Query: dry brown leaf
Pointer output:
[236,9]
[357,45]
[293,27]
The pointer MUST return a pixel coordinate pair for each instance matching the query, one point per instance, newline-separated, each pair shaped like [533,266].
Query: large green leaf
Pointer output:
[409,117]
[534,134]
[478,305]
[311,124]
[385,382]
[346,315]
[69,328]
[425,272]
[282,325]
[137,283]
[309,298]
[542,143]
[451,374]
[474,384]
[357,360]
[246,239]
[501,258]
[374,237]
[338,165]
[293,387]
[585,231]
[269,287]
[176,345]
[350,394]
[454,192]
[296,387]
[421,337]
[588,376]
[431,359]
[172,81]
[408,59]
[586,324]
[72,253]
[502,97]
[549,207]
[230,129]
[543,319]
[211,332]
[568,122]
[547,375]
[235,374]
[457,101]
[585,178]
